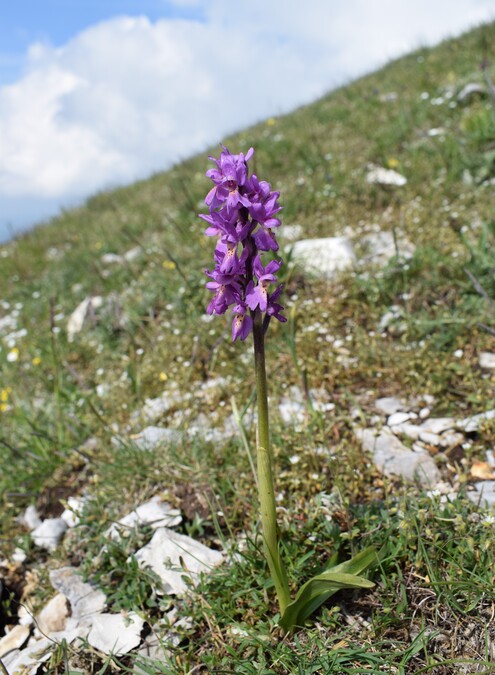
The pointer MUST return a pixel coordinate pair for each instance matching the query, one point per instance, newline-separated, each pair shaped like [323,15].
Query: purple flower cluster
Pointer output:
[243,216]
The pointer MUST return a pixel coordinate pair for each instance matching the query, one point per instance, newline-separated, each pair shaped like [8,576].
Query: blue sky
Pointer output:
[24,22]
[95,94]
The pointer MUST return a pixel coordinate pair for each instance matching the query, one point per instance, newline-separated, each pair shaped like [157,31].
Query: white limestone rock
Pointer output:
[378,175]
[154,513]
[49,533]
[437,425]
[471,424]
[53,616]
[485,493]
[116,634]
[470,90]
[392,458]
[487,360]
[388,405]
[14,639]
[84,312]
[71,514]
[379,247]
[323,257]
[152,437]
[174,556]
[85,600]
[30,518]
[400,417]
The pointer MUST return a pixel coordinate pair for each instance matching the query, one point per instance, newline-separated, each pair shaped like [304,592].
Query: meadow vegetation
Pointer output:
[432,608]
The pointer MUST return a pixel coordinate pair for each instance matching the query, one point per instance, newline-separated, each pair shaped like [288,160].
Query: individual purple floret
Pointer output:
[242,212]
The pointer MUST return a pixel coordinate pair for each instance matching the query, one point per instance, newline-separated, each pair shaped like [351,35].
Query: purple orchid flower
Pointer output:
[242,215]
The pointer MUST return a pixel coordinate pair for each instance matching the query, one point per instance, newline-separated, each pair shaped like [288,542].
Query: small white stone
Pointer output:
[437,425]
[381,176]
[71,514]
[49,533]
[424,413]
[153,512]
[487,360]
[323,257]
[81,314]
[31,518]
[173,556]
[485,493]
[389,405]
[152,437]
[115,633]
[470,424]
[429,438]
[412,431]
[14,639]
[400,418]
[393,458]
[85,601]
[53,616]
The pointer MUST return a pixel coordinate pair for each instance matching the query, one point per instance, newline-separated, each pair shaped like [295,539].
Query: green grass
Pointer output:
[430,611]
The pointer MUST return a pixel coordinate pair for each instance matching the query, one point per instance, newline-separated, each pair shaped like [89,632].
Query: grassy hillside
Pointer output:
[150,336]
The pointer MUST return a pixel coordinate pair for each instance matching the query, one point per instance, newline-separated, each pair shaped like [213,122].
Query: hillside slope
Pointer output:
[418,326]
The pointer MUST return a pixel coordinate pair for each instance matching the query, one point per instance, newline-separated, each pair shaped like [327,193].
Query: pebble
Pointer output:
[116,634]
[487,360]
[389,405]
[14,639]
[154,513]
[49,533]
[400,418]
[323,257]
[53,616]
[393,458]
[84,600]
[173,556]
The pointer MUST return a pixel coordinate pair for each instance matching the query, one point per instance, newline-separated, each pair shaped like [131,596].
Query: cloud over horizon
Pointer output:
[129,96]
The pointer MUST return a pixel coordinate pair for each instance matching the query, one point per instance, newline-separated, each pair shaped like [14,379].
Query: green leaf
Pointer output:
[322,586]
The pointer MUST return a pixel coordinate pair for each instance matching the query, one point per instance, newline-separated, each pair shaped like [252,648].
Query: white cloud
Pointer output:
[127,97]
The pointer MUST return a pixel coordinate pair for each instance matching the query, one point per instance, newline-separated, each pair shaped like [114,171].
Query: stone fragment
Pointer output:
[412,431]
[49,533]
[378,175]
[71,514]
[53,616]
[471,424]
[400,418]
[116,634]
[437,425]
[14,639]
[487,360]
[151,437]
[485,493]
[31,518]
[82,314]
[392,458]
[470,90]
[323,257]
[451,439]
[389,405]
[84,599]
[379,247]
[153,512]
[174,556]
[429,438]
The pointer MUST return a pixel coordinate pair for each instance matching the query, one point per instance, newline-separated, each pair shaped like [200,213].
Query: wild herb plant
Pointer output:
[243,216]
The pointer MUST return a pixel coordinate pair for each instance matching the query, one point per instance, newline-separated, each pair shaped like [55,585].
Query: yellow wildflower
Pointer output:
[36,361]
[163,377]
[168,265]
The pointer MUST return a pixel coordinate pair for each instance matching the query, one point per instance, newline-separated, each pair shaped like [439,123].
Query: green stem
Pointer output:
[265,476]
